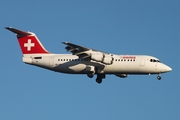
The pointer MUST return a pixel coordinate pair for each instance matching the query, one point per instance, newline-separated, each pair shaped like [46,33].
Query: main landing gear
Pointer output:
[90,74]
[100,77]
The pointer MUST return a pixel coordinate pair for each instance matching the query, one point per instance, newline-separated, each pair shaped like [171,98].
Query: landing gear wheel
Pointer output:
[99,81]
[159,77]
[90,75]
[100,77]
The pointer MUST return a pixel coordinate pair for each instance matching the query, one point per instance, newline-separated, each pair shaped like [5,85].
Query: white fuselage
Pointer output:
[86,60]
[122,64]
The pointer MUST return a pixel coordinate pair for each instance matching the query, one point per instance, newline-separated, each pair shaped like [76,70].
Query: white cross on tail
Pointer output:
[29,45]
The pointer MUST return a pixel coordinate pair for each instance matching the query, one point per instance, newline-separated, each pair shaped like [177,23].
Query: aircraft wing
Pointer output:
[75,49]
[83,52]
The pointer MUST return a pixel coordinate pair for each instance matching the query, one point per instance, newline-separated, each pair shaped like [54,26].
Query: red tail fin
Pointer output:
[28,42]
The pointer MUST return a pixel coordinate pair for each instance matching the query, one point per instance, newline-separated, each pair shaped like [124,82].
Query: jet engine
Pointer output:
[103,58]
[97,56]
[108,59]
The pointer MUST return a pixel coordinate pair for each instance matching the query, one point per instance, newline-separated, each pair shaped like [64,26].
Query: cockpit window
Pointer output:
[154,60]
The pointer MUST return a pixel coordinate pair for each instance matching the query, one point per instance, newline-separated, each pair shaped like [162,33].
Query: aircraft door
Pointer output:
[51,61]
[142,61]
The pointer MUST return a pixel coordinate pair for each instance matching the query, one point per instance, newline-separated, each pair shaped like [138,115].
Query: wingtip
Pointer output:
[65,42]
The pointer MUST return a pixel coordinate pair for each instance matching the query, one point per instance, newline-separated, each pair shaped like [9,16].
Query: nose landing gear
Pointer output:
[159,77]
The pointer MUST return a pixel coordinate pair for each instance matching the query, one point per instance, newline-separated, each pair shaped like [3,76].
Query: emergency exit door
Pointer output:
[142,62]
[51,61]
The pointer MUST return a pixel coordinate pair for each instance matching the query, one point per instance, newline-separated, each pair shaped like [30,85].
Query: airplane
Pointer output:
[86,60]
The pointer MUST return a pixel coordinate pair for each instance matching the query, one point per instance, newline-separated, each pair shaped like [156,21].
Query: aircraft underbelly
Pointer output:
[77,67]
[81,68]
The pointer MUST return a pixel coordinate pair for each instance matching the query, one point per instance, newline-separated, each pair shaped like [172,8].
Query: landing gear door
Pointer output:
[142,62]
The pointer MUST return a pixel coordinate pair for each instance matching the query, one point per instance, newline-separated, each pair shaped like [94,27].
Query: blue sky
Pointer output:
[148,27]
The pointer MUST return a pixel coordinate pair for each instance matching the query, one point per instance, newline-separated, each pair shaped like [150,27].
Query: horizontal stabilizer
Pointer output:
[18,32]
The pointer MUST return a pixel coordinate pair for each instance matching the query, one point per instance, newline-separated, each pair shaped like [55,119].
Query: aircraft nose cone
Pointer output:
[168,69]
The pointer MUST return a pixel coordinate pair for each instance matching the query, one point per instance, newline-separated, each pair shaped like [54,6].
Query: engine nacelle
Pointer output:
[108,59]
[122,75]
[103,58]
[98,56]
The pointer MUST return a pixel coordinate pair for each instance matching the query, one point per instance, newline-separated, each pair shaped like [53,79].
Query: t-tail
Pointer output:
[29,44]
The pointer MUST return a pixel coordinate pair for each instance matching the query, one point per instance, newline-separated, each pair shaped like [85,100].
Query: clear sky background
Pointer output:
[150,27]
